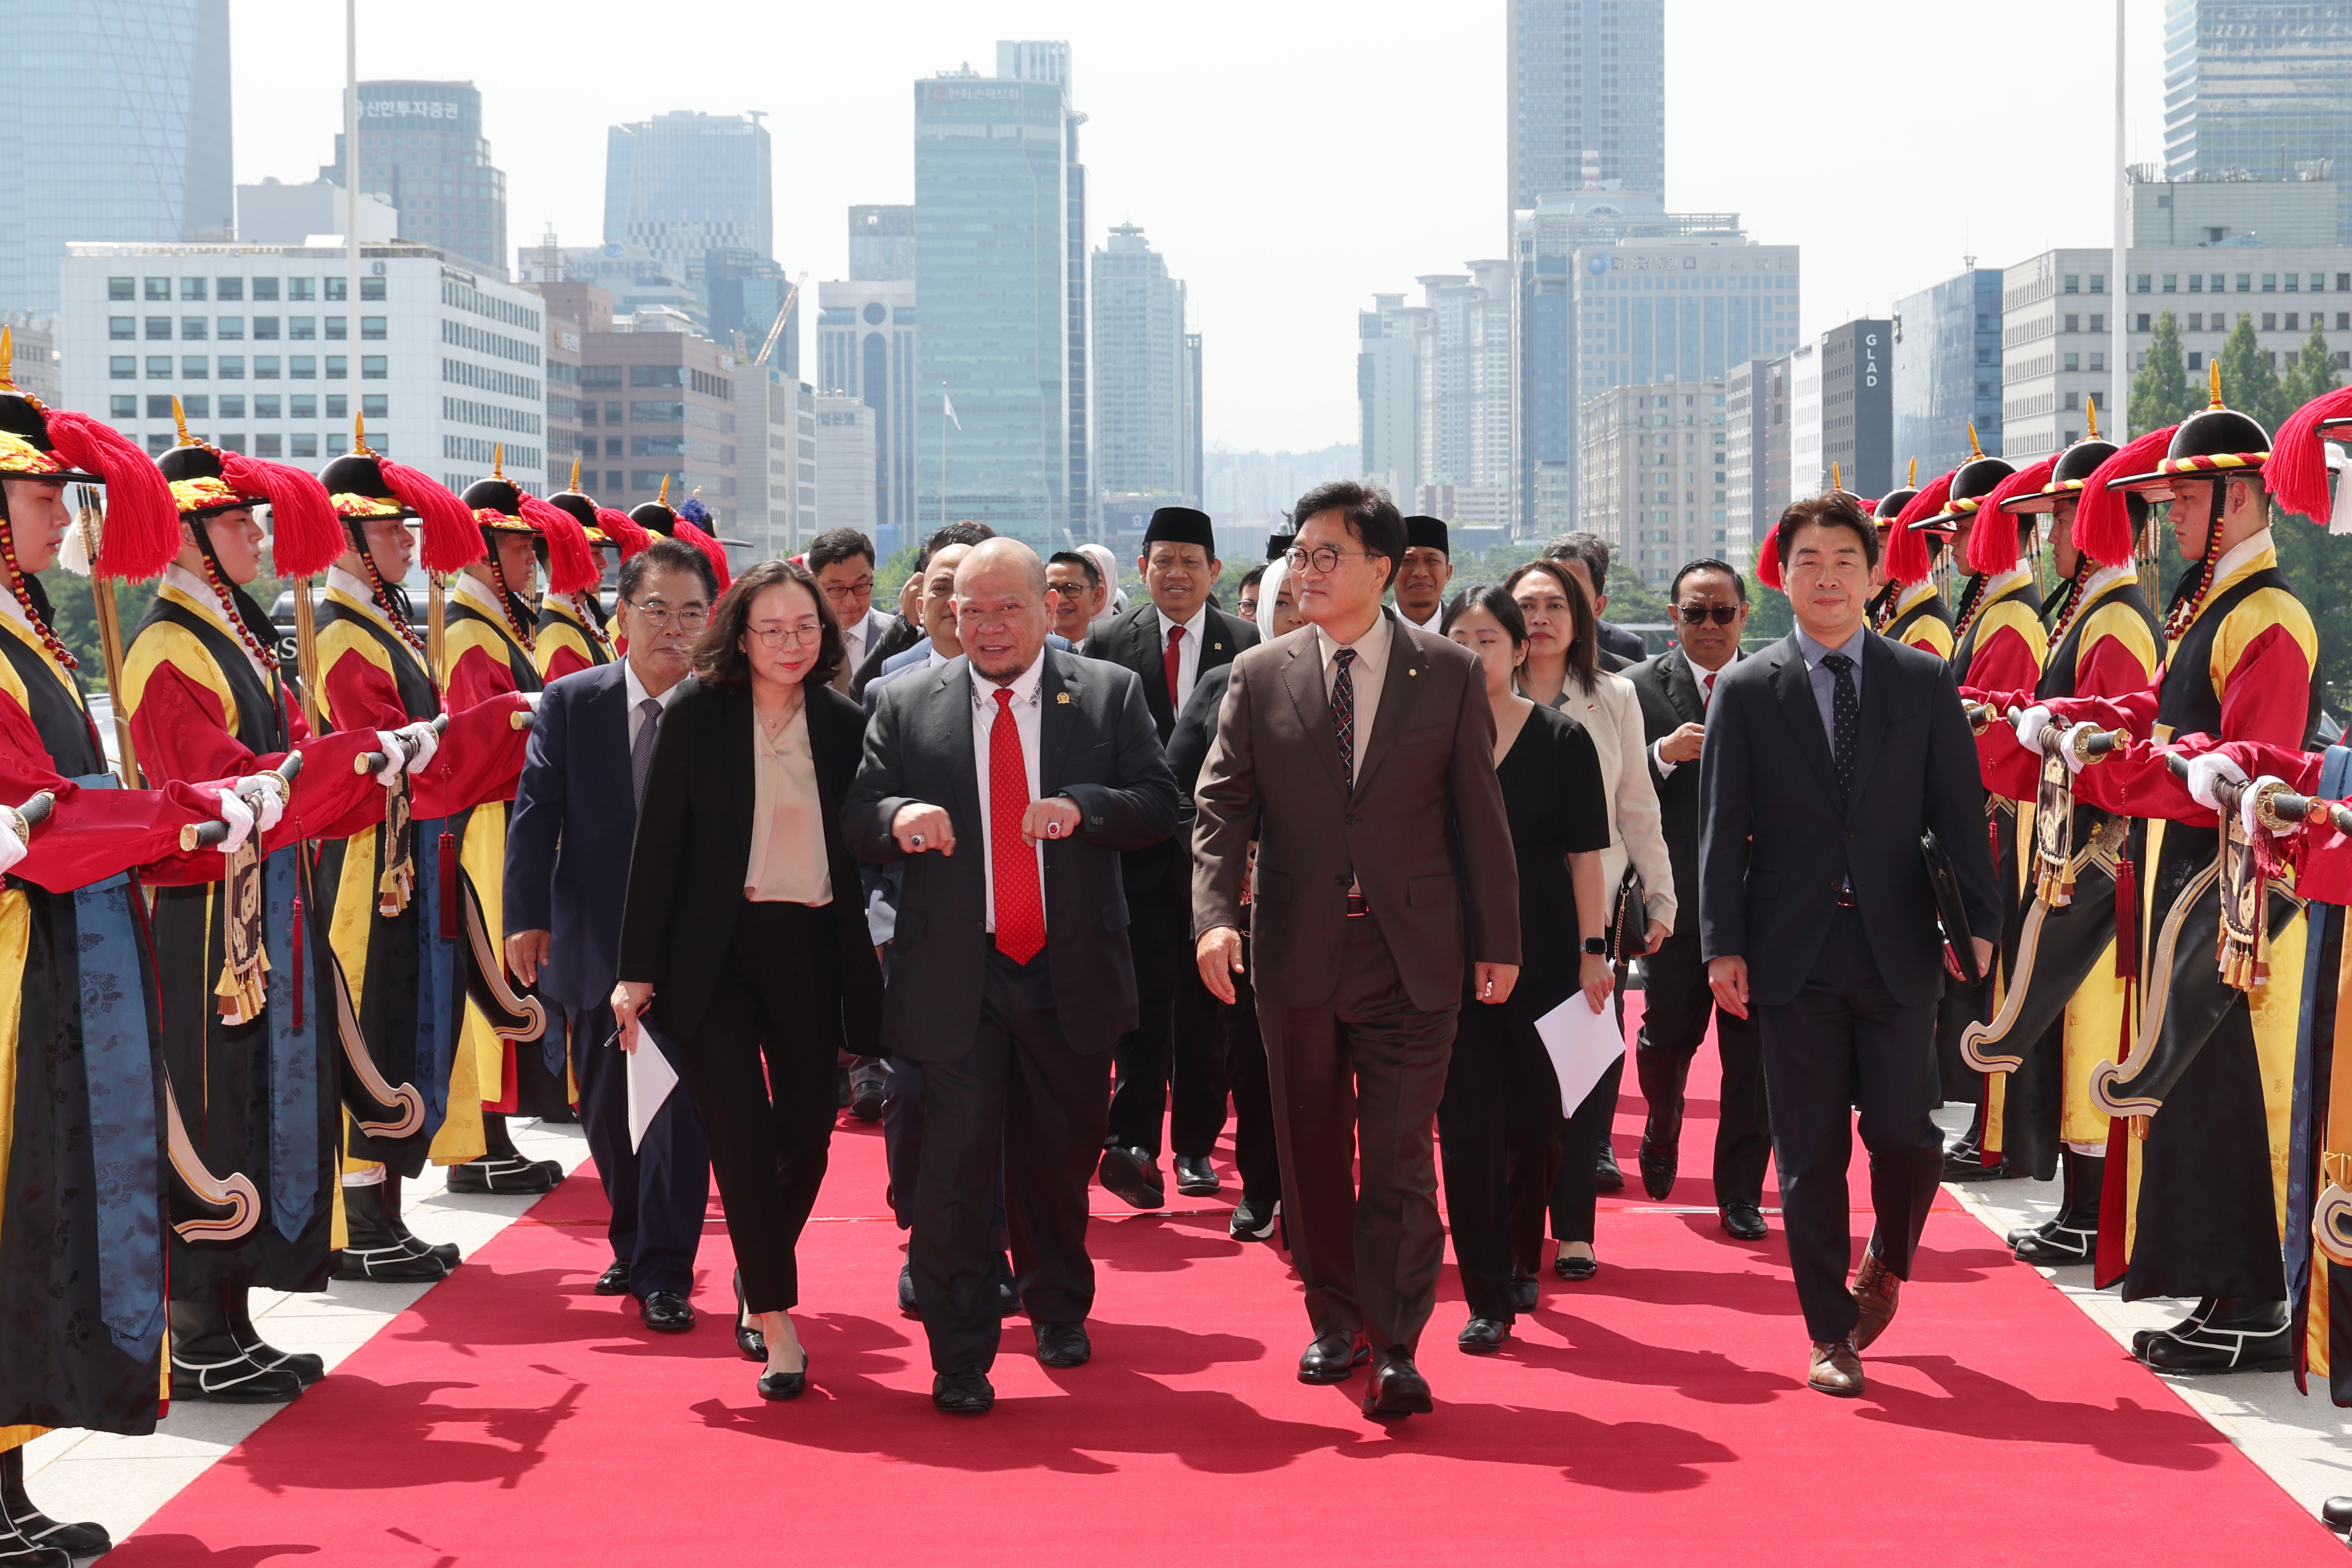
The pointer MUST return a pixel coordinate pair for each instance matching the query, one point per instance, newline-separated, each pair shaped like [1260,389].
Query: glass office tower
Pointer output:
[2258,87]
[685,183]
[1587,89]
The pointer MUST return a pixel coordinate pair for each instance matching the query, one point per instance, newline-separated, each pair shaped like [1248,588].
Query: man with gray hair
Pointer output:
[1010,977]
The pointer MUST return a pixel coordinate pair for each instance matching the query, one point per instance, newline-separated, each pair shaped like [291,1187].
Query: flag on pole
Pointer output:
[947,407]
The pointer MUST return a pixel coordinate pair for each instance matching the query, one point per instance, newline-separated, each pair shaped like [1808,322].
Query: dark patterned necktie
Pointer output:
[1845,720]
[641,750]
[1343,715]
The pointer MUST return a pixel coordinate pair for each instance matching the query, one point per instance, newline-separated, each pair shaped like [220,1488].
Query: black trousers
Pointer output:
[1357,1082]
[1676,1006]
[658,1192]
[1499,1133]
[769,1130]
[1576,1184]
[1019,1100]
[1243,1047]
[1843,1045]
[1174,1041]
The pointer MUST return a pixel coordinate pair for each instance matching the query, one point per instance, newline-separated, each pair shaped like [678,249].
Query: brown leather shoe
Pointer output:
[1877,1291]
[1835,1369]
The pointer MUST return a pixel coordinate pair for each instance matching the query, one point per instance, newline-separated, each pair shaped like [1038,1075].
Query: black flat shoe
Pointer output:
[750,1340]
[667,1312]
[785,1384]
[1482,1336]
[1744,1222]
[1063,1344]
[1330,1358]
[614,1280]
[1568,1265]
[1606,1177]
[963,1394]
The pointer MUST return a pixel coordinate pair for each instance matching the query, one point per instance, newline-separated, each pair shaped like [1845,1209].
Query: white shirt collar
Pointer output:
[935,657]
[1430,625]
[1166,620]
[2235,558]
[472,588]
[2097,582]
[1371,648]
[1917,593]
[637,692]
[2005,581]
[1024,687]
[10,606]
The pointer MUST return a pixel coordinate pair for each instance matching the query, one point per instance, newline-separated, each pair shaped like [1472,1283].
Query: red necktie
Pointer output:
[1172,661]
[1709,693]
[1020,902]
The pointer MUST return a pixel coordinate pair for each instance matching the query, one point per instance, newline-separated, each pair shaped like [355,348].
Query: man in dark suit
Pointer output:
[1169,641]
[1010,979]
[1347,749]
[1828,756]
[907,629]
[1711,610]
[575,811]
[1587,555]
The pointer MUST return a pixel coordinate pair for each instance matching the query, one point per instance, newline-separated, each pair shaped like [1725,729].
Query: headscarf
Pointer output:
[1269,593]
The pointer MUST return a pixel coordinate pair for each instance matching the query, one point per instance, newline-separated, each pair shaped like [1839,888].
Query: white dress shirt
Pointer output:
[1436,618]
[1187,650]
[1026,713]
[1367,676]
[1705,679]
[859,636]
[638,698]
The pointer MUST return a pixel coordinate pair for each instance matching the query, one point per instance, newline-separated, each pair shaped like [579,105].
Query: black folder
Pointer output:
[1950,913]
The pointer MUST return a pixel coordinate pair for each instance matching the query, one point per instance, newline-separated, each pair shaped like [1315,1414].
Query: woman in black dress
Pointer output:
[1500,1126]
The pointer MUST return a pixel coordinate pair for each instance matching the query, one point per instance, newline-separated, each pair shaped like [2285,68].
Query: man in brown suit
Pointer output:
[1347,749]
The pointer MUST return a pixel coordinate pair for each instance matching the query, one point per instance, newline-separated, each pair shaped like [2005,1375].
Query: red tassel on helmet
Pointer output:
[1907,550]
[142,523]
[572,563]
[711,548]
[2103,529]
[2297,471]
[449,541]
[306,537]
[1768,560]
[1992,550]
[623,531]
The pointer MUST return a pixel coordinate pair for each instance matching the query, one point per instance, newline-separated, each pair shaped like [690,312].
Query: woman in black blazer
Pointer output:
[743,932]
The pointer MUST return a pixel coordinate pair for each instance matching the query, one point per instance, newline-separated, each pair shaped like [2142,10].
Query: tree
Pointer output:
[2313,371]
[2160,393]
[2248,384]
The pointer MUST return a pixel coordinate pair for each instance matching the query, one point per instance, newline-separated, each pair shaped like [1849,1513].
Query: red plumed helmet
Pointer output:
[1992,542]
[623,529]
[142,523]
[2297,471]
[572,565]
[1768,560]
[711,548]
[448,538]
[305,535]
[1906,559]
[2102,527]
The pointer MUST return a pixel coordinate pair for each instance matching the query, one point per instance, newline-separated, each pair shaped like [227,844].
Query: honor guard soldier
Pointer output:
[573,631]
[1907,608]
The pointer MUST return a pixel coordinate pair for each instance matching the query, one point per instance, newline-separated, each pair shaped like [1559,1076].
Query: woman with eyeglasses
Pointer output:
[743,933]
[1562,672]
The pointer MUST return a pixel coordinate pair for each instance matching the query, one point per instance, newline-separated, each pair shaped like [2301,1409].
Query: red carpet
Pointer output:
[1655,1414]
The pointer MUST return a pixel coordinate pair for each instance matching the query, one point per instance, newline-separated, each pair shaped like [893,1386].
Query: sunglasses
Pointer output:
[1698,615]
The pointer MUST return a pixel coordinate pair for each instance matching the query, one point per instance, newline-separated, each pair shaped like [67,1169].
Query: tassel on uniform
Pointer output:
[2127,919]
[294,951]
[448,870]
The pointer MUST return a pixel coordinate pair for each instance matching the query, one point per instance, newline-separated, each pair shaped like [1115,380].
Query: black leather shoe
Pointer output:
[1253,1219]
[1398,1388]
[666,1312]
[750,1340]
[1063,1344]
[1606,1177]
[1524,1291]
[1132,1177]
[2336,1514]
[866,1100]
[1332,1358]
[1008,1294]
[1482,1336]
[963,1394]
[1196,1177]
[614,1281]
[906,1307]
[1743,1222]
[1659,1163]
[785,1384]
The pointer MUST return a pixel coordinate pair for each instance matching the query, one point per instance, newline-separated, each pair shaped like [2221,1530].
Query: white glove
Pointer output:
[423,743]
[532,697]
[395,757]
[239,818]
[2246,813]
[265,791]
[2029,727]
[2207,771]
[2067,753]
[12,848]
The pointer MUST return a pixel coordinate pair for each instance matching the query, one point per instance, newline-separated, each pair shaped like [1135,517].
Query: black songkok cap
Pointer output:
[1427,533]
[1180,525]
[1278,545]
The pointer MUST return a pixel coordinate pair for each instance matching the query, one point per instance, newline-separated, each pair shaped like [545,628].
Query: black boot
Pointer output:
[2143,1338]
[1964,1161]
[2239,1335]
[501,1168]
[446,1251]
[1662,1074]
[236,1306]
[38,1532]
[208,1363]
[2072,1236]
[373,1250]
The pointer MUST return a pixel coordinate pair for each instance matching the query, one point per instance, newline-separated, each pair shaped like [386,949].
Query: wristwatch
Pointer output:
[1598,946]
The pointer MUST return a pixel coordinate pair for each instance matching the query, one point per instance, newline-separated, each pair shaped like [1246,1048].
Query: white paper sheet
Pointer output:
[1582,1044]
[651,1079]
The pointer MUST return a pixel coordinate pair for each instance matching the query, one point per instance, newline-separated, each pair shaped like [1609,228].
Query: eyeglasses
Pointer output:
[1699,615]
[1323,558]
[846,593]
[662,617]
[773,638]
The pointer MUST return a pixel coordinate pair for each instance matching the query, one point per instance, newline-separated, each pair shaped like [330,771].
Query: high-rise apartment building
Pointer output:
[775,460]
[1809,466]
[2258,87]
[992,270]
[1586,97]
[1755,452]
[1947,370]
[114,125]
[1031,60]
[1858,406]
[1388,393]
[1145,410]
[422,149]
[865,349]
[1649,456]
[844,464]
[881,245]
[685,183]
[1463,399]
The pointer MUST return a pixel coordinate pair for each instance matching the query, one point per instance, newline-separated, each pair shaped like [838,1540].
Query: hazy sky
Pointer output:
[1289,159]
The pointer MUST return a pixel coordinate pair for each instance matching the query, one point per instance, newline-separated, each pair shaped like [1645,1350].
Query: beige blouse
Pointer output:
[788,859]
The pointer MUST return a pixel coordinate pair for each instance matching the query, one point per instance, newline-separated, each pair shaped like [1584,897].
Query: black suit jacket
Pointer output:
[574,813]
[1613,638]
[1775,842]
[1668,689]
[898,636]
[1132,640]
[693,841]
[1188,742]
[1097,746]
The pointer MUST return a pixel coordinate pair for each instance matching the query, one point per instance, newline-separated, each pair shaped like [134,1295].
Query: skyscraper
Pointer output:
[865,349]
[1463,399]
[685,183]
[1031,60]
[992,270]
[1857,406]
[2260,87]
[114,125]
[1947,370]
[1587,97]
[1388,393]
[1143,410]
[881,245]
[422,149]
